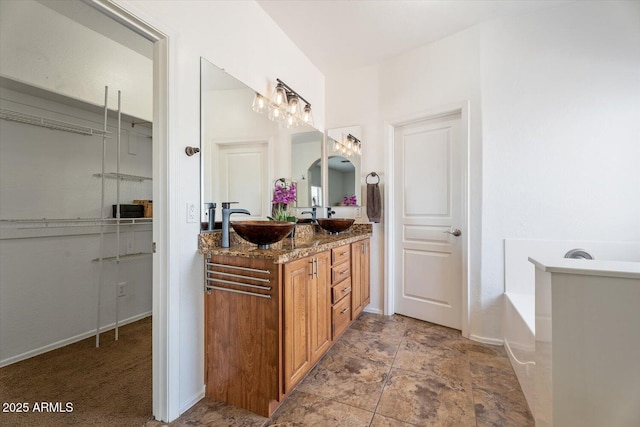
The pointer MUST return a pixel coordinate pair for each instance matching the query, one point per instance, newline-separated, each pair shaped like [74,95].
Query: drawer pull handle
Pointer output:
[346,289]
[344,311]
[344,271]
[344,253]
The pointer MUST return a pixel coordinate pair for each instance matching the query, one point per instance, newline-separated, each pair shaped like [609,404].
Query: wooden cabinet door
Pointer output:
[360,276]
[296,342]
[320,306]
[366,274]
[357,255]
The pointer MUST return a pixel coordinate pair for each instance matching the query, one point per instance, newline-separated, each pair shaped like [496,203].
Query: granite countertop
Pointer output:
[310,239]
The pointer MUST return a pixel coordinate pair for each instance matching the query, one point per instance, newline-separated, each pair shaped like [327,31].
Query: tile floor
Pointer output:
[392,371]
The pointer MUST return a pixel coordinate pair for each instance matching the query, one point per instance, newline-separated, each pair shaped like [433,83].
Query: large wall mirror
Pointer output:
[243,152]
[344,172]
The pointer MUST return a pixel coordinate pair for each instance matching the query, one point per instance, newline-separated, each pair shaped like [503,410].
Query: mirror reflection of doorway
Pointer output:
[69,271]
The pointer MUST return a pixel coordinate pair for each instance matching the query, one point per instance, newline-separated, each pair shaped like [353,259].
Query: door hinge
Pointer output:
[153,247]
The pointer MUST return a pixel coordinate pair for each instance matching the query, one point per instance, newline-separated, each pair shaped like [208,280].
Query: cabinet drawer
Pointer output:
[340,290]
[340,272]
[340,254]
[341,316]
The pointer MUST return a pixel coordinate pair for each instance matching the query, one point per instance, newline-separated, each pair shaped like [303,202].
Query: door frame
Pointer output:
[463,108]
[165,304]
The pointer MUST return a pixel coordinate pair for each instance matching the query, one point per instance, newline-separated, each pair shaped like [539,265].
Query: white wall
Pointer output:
[353,98]
[561,120]
[48,50]
[242,39]
[554,113]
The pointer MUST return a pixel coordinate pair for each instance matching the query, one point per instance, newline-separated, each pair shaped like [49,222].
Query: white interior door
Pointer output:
[243,178]
[428,204]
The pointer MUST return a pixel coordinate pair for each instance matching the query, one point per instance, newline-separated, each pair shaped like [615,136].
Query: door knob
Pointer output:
[456,232]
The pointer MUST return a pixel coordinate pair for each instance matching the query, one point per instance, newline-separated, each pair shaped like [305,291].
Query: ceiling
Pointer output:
[338,35]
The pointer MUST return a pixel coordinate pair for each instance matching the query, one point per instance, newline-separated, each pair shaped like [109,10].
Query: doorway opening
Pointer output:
[141,278]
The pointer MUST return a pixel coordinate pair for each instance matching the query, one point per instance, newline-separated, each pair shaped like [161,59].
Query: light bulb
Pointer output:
[279,95]
[306,115]
[275,114]
[293,105]
[259,103]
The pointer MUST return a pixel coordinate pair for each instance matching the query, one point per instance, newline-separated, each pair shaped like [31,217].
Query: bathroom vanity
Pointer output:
[271,314]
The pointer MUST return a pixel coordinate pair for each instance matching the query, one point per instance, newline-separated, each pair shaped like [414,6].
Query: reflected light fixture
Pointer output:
[349,146]
[285,106]
[259,103]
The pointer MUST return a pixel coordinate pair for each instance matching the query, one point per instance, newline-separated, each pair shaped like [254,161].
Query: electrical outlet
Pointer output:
[358,212]
[122,289]
[191,212]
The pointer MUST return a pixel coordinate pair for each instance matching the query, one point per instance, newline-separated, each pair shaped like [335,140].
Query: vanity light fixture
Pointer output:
[285,106]
[349,146]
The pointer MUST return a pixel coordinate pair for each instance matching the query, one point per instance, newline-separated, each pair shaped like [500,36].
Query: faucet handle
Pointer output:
[227,205]
[210,205]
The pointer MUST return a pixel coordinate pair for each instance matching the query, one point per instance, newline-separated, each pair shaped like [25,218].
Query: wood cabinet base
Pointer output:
[267,324]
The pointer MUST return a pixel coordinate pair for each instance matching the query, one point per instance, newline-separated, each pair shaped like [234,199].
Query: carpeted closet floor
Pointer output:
[107,386]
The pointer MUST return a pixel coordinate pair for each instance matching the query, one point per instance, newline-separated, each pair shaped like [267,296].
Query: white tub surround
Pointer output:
[520,340]
[587,342]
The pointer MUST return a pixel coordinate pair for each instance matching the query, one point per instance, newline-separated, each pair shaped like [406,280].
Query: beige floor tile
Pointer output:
[409,372]
[304,409]
[350,380]
[426,400]
[211,413]
[504,410]
[382,421]
[368,345]
[381,325]
[435,360]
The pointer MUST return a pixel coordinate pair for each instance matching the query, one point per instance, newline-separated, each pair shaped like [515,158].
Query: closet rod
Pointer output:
[30,119]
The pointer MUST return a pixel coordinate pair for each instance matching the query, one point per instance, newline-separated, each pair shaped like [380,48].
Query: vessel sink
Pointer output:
[335,225]
[263,233]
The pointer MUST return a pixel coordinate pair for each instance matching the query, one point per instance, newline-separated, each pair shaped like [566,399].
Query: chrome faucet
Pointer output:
[330,211]
[314,214]
[226,214]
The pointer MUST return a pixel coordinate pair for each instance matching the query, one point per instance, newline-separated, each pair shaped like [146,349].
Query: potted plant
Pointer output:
[281,214]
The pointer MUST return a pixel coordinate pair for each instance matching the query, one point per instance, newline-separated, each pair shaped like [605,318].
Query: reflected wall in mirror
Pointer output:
[236,143]
[306,167]
[344,173]
[243,152]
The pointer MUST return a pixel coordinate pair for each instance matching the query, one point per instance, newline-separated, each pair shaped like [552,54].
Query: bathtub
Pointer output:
[519,329]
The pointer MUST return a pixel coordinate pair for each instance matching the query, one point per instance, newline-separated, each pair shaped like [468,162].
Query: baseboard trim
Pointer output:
[485,340]
[192,401]
[44,349]
[373,310]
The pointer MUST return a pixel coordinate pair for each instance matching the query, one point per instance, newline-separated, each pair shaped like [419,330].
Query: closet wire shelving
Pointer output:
[103,221]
